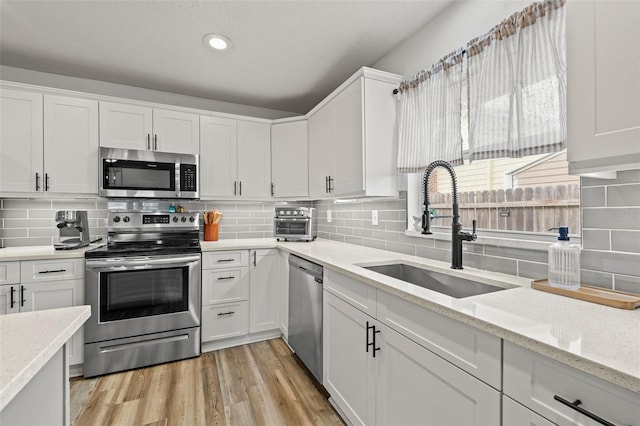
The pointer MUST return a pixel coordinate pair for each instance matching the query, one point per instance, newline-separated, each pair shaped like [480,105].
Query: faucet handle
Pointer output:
[473,231]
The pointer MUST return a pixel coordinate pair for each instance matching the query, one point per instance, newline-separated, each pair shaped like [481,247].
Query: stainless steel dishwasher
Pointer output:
[305,313]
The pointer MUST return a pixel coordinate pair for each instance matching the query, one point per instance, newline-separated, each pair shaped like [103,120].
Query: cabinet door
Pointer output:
[415,386]
[7,294]
[516,414]
[57,294]
[321,151]
[70,132]
[218,157]
[21,149]
[125,126]
[603,85]
[289,166]
[283,259]
[224,321]
[254,159]
[264,291]
[349,146]
[348,368]
[175,131]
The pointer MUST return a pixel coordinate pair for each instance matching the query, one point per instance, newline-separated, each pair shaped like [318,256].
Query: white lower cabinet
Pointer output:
[516,414]
[558,392]
[375,375]
[263,290]
[225,295]
[45,284]
[283,267]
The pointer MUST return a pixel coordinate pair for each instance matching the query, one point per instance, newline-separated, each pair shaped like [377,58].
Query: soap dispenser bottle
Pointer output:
[564,262]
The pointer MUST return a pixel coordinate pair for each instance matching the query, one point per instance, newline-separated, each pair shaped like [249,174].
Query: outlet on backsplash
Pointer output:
[328,216]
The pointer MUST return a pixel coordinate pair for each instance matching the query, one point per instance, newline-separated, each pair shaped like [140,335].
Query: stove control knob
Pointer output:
[192,219]
[289,212]
[184,219]
[175,218]
[126,219]
[116,219]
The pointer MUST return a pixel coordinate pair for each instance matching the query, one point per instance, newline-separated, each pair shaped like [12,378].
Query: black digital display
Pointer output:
[156,218]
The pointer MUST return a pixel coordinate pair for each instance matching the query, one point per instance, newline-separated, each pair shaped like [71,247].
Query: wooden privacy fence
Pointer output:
[531,209]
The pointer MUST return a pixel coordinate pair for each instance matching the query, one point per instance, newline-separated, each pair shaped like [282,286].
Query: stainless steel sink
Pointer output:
[435,281]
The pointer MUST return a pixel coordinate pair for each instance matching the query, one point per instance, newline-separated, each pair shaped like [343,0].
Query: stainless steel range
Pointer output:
[144,291]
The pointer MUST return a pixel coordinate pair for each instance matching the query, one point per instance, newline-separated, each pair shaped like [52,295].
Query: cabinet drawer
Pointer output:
[9,272]
[224,321]
[51,270]
[352,291]
[534,380]
[224,259]
[472,350]
[225,285]
[516,414]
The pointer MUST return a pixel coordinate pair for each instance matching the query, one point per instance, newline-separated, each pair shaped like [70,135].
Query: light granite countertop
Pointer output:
[596,339]
[29,340]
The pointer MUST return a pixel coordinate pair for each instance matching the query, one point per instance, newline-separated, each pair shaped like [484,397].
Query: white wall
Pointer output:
[59,81]
[460,22]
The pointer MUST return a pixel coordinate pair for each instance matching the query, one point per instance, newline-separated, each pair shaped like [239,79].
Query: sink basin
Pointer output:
[435,281]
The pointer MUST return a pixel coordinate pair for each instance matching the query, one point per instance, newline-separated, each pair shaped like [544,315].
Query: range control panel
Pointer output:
[122,220]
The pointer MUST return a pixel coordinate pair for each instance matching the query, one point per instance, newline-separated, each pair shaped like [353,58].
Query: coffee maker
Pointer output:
[73,226]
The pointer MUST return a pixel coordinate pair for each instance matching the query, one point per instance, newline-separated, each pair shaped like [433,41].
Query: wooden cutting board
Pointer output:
[616,299]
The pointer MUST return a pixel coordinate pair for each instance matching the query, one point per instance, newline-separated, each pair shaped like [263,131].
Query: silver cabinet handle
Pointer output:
[235,186]
[46,181]
[37,182]
[273,189]
[225,278]
[240,188]
[13,302]
[155,142]
[51,271]
[224,260]
[22,296]
[221,314]
[149,141]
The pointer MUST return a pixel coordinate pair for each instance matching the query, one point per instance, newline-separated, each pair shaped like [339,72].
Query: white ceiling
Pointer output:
[286,55]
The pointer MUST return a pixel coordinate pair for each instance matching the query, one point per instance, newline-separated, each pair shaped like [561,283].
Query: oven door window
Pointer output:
[291,228]
[143,293]
[129,174]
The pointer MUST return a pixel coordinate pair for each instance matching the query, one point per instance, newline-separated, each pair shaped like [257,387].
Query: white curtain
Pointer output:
[517,85]
[429,116]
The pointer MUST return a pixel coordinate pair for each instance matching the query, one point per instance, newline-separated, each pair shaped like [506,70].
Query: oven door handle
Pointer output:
[138,262]
[295,219]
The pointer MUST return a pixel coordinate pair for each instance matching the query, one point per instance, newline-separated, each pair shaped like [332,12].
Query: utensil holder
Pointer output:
[211,232]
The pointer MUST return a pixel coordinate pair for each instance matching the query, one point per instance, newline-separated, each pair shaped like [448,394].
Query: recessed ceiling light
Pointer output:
[217,41]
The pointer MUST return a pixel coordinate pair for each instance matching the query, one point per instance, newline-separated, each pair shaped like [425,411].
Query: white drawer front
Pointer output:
[534,380]
[225,285]
[51,270]
[516,414]
[225,259]
[354,292]
[472,350]
[224,321]
[9,272]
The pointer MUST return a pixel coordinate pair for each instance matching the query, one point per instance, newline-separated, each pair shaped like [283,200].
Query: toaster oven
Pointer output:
[295,224]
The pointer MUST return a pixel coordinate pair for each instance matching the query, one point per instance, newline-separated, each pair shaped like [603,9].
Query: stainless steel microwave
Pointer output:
[148,174]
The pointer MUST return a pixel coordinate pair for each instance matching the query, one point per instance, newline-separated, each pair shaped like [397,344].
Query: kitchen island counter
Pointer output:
[29,341]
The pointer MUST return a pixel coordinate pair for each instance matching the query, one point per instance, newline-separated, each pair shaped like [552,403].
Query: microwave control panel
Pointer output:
[188,177]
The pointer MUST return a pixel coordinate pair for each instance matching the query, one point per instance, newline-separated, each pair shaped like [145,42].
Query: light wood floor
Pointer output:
[257,384]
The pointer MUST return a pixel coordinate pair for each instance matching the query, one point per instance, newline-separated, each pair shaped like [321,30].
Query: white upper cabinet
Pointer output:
[289,164]
[138,127]
[48,144]
[218,157]
[175,131]
[254,159]
[70,132]
[352,141]
[234,158]
[21,150]
[603,85]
